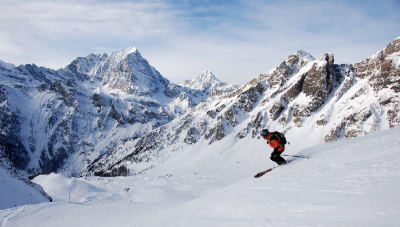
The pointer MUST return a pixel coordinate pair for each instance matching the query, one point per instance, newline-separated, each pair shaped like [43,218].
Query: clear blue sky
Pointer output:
[236,40]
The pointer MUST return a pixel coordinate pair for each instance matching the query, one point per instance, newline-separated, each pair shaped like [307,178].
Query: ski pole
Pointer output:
[16,207]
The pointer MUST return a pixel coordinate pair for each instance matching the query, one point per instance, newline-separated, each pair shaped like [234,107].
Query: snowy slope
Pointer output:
[16,190]
[345,183]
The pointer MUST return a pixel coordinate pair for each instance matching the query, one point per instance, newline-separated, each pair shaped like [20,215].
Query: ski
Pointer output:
[270,169]
[264,172]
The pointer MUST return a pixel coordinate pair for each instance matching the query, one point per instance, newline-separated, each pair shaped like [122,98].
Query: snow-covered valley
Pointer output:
[351,182]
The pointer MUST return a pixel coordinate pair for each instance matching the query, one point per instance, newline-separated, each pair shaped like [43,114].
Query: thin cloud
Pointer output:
[38,27]
[80,17]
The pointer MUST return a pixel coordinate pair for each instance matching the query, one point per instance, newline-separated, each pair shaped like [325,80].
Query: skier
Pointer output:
[277,141]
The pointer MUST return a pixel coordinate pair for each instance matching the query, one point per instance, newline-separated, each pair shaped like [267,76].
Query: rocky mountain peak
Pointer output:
[278,76]
[328,57]
[208,75]
[304,55]
[299,59]
[117,57]
[125,70]
[91,64]
[124,53]
[393,47]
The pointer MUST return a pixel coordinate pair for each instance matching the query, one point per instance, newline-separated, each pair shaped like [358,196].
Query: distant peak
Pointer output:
[208,75]
[116,57]
[203,81]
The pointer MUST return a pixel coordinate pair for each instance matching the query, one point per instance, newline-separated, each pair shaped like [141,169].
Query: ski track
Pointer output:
[346,183]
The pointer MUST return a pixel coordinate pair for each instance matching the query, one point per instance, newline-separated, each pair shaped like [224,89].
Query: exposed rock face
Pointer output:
[383,72]
[381,68]
[219,131]
[277,109]
[211,113]
[191,136]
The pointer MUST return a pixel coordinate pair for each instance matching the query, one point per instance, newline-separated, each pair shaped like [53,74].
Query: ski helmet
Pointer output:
[264,132]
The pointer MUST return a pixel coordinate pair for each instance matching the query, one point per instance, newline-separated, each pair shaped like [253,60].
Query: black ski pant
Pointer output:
[276,157]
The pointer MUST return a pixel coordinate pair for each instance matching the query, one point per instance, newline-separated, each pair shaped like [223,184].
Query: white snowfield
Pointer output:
[352,182]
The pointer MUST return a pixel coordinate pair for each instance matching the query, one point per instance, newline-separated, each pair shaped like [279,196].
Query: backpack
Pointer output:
[281,137]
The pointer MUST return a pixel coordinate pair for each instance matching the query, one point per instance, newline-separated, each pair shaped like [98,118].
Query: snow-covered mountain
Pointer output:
[64,120]
[207,84]
[311,100]
[123,71]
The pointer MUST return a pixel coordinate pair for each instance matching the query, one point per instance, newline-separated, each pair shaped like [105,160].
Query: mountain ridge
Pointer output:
[63,120]
[314,100]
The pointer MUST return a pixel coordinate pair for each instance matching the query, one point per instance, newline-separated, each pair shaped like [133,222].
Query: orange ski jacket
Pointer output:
[274,142]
